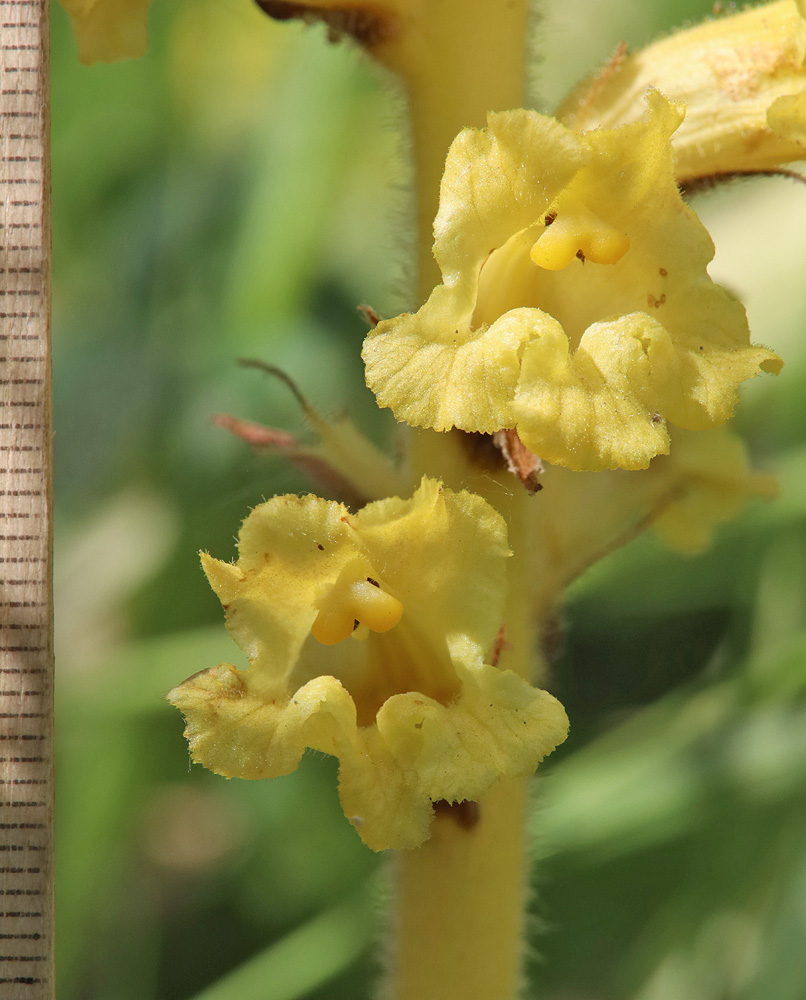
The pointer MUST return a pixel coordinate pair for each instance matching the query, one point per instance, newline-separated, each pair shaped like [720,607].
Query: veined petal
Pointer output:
[498,181]
[587,410]
[467,381]
[741,76]
[586,358]
[500,726]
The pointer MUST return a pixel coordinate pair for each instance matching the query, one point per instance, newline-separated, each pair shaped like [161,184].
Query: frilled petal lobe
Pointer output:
[736,75]
[109,30]
[365,635]
[418,752]
[576,305]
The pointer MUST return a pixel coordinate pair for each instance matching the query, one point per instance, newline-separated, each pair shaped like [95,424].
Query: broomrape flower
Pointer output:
[366,636]
[575,305]
[742,79]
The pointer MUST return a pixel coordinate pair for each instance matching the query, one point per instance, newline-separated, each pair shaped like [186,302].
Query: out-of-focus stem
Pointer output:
[458,59]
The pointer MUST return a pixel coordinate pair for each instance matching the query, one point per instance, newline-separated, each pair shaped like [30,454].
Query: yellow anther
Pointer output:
[359,602]
[578,231]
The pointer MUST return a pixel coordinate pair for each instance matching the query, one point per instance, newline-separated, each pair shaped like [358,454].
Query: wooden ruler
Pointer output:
[26,646]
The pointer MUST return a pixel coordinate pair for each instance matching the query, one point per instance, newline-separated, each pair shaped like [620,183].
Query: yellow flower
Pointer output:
[742,78]
[108,30]
[366,636]
[575,304]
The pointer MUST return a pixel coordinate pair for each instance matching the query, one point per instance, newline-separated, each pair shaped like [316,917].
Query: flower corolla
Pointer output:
[576,305]
[366,636]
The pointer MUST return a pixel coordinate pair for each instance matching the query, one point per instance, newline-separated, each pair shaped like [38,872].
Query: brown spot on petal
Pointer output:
[499,646]
[367,23]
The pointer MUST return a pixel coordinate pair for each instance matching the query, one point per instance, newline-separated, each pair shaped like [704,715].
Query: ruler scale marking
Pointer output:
[26,642]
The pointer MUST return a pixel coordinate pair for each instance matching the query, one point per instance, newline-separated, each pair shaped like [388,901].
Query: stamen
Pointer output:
[578,232]
[362,602]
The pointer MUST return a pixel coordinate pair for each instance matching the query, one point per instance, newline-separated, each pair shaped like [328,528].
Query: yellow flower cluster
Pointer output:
[576,316]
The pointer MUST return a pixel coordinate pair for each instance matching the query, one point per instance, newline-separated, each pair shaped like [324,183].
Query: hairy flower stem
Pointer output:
[458,927]
[458,59]
[460,905]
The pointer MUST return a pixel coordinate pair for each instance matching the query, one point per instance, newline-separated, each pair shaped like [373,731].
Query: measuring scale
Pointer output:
[26,648]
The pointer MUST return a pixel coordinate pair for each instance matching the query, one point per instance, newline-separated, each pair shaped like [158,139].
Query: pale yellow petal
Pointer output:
[390,774]
[109,30]
[366,635]
[497,181]
[587,410]
[706,480]
[444,555]
[500,726]
[292,549]
[730,72]
[716,480]
[787,118]
[466,382]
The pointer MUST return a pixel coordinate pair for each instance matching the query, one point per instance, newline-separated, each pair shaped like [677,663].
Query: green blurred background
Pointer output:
[237,193]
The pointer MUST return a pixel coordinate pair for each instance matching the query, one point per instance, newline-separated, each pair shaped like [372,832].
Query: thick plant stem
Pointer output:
[460,898]
[459,925]
[460,902]
[458,60]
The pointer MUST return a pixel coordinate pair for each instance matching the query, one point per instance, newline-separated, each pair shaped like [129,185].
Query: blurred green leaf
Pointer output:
[305,959]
